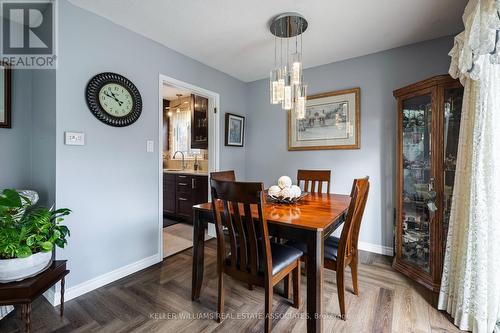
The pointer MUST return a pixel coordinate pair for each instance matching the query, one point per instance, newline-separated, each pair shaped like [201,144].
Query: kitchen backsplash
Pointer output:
[177,164]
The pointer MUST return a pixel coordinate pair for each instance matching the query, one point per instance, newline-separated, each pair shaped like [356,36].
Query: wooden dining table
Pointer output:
[309,221]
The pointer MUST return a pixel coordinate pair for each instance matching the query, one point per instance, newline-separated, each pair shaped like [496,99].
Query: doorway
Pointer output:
[189,151]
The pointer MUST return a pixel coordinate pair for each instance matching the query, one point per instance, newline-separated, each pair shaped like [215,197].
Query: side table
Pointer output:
[26,291]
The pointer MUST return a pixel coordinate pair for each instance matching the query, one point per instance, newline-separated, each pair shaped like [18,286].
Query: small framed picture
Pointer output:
[332,121]
[235,130]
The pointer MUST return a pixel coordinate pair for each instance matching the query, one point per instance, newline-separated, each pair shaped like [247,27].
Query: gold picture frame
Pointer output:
[333,121]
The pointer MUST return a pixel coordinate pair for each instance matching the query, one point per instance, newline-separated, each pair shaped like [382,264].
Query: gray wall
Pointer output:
[27,150]
[377,75]
[15,143]
[44,135]
[111,183]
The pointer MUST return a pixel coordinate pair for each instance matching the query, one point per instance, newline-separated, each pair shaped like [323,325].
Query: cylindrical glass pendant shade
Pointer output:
[296,71]
[273,87]
[287,103]
[281,84]
[300,101]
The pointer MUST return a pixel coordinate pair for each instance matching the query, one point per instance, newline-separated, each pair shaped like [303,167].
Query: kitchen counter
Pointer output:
[186,172]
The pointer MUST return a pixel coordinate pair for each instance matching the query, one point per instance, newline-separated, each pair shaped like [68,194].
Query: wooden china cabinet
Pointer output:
[428,124]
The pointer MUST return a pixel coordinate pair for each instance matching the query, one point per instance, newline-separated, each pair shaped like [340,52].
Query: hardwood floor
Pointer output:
[158,300]
[177,238]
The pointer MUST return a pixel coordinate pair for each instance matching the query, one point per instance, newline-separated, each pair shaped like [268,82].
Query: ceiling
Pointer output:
[233,35]
[170,92]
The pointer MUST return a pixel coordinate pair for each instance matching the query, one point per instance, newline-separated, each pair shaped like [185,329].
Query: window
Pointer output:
[181,135]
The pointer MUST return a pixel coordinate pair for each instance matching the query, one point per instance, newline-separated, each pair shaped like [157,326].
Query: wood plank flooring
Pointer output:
[177,238]
[158,300]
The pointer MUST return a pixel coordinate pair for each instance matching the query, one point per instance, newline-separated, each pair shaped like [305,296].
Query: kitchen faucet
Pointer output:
[183,166]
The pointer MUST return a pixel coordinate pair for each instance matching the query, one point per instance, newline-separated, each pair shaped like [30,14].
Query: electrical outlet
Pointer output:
[74,138]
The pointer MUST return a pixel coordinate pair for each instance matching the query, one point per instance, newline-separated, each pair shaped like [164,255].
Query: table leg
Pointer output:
[28,317]
[314,281]
[62,297]
[198,255]
[23,312]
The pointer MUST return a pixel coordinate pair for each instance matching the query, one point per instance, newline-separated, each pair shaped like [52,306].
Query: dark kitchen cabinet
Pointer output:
[169,201]
[199,122]
[181,192]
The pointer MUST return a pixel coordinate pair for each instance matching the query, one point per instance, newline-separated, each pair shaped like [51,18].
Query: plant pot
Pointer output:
[21,268]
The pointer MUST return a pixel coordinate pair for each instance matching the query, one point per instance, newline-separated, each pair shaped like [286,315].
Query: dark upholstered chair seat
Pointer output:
[282,256]
[331,247]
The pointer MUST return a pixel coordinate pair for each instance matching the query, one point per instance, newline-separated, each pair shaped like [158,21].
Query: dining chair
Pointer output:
[312,177]
[223,175]
[342,252]
[253,258]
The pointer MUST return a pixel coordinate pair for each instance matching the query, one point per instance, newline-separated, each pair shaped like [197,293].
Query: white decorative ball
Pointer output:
[274,191]
[284,182]
[287,193]
[296,191]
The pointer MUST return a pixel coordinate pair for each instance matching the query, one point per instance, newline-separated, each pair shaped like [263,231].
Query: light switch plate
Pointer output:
[150,146]
[74,138]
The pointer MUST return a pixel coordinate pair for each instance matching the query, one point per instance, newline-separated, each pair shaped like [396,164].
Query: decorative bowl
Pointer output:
[286,200]
[18,269]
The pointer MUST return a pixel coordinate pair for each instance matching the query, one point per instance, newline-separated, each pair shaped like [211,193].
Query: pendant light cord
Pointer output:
[275,61]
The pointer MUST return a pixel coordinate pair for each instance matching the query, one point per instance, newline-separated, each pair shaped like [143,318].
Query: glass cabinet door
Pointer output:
[452,114]
[417,179]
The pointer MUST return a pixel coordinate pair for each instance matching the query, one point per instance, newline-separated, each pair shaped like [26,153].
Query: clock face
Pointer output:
[115,100]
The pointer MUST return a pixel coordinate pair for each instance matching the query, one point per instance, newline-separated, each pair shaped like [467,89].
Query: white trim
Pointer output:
[213,134]
[375,248]
[54,296]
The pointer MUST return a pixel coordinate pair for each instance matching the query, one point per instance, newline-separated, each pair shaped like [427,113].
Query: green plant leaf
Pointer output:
[46,246]
[61,242]
[64,230]
[23,252]
[30,241]
[56,234]
[9,198]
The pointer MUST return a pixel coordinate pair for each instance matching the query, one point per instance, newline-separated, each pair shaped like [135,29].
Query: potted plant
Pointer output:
[28,235]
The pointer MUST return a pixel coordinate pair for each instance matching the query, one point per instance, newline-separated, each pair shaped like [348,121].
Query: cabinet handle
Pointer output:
[183,184]
[193,184]
[181,176]
[183,199]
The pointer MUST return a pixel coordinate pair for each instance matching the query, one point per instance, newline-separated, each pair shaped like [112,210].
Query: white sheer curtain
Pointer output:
[470,288]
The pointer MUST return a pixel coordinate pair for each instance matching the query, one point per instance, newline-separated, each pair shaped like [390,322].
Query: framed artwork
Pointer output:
[332,121]
[5,112]
[235,130]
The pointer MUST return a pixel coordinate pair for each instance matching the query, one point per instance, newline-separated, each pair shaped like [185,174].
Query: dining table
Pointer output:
[312,219]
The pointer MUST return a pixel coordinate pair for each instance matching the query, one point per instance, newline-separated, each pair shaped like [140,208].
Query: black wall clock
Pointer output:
[113,99]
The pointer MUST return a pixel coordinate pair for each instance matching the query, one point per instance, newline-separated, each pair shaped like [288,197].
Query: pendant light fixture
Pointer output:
[178,102]
[286,86]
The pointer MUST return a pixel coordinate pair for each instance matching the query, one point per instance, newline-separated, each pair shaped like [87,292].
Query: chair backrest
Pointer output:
[232,203]
[350,231]
[228,175]
[314,177]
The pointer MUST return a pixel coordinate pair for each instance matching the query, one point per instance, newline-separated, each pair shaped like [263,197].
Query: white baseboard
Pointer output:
[375,248]
[54,297]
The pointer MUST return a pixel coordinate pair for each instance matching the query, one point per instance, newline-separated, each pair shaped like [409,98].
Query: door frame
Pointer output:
[213,135]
